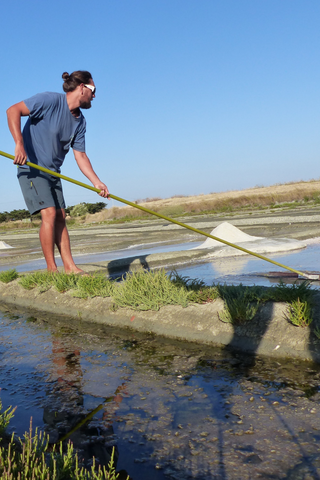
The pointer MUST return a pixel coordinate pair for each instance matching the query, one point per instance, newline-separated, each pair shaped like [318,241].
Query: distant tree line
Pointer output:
[75,210]
[84,208]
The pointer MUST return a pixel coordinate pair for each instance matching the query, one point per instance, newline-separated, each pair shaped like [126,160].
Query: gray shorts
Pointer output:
[40,190]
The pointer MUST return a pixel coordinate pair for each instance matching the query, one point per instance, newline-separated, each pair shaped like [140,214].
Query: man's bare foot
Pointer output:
[77,271]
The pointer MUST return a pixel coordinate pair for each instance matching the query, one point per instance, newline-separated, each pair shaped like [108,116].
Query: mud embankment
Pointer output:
[269,333]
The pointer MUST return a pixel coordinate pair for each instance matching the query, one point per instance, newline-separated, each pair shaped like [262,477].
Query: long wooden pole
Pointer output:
[127,202]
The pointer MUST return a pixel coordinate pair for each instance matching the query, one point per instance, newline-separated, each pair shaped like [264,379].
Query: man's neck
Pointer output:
[73,104]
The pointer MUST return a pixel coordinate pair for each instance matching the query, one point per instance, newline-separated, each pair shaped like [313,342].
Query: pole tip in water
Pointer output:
[312,276]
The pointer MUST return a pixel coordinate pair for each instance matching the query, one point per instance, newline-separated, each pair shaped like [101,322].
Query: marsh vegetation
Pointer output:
[150,290]
[32,457]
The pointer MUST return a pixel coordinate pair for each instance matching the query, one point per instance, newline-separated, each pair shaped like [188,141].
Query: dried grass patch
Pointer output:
[256,197]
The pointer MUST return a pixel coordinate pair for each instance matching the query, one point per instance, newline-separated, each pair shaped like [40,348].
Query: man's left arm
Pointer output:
[86,168]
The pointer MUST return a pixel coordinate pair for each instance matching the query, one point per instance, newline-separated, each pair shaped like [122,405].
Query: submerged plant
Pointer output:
[316,331]
[8,275]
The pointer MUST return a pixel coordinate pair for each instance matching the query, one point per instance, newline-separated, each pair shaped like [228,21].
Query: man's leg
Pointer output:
[44,194]
[47,236]
[62,241]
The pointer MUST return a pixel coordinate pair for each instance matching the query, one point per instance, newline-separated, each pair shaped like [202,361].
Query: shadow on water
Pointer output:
[172,410]
[304,468]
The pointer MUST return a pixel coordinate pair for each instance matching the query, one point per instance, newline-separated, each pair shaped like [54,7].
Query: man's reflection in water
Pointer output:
[64,413]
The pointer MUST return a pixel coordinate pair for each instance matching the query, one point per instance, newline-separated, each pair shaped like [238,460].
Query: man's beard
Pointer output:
[85,105]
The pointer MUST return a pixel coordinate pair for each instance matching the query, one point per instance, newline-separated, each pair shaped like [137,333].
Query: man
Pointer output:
[55,124]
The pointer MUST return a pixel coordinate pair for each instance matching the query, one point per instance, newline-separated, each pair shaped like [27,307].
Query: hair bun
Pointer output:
[72,81]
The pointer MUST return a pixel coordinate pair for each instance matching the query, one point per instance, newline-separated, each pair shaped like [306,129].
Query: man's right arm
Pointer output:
[14,115]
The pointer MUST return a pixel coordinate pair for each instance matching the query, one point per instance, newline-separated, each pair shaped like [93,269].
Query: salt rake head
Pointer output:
[312,276]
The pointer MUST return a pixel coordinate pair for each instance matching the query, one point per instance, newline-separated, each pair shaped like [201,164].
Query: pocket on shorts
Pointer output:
[32,185]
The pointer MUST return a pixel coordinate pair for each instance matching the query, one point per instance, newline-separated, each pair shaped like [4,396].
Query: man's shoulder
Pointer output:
[54,96]
[46,98]
[50,94]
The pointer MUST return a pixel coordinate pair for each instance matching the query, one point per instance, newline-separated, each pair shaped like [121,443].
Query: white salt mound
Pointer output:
[4,245]
[260,245]
[227,232]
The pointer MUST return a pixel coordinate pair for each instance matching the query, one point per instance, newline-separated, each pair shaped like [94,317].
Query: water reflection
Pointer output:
[250,270]
[65,416]
[172,410]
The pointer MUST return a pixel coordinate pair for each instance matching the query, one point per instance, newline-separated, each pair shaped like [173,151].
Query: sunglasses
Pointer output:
[92,88]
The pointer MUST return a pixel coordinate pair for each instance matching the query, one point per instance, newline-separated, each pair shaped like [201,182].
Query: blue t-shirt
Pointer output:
[51,130]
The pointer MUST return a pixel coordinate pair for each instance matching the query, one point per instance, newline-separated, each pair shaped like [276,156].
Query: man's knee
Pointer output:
[48,215]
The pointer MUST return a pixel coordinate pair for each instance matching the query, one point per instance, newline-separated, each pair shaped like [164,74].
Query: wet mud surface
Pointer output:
[173,410]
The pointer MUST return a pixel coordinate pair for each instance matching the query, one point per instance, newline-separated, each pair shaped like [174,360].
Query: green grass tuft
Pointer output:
[198,291]
[31,458]
[63,282]
[42,280]
[5,418]
[240,303]
[300,313]
[290,293]
[8,275]
[93,286]
[149,291]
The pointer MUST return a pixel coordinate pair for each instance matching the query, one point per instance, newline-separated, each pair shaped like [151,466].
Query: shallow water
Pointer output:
[244,269]
[249,270]
[173,410]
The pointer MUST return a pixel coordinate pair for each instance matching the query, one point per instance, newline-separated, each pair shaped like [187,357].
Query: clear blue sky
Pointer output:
[193,96]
